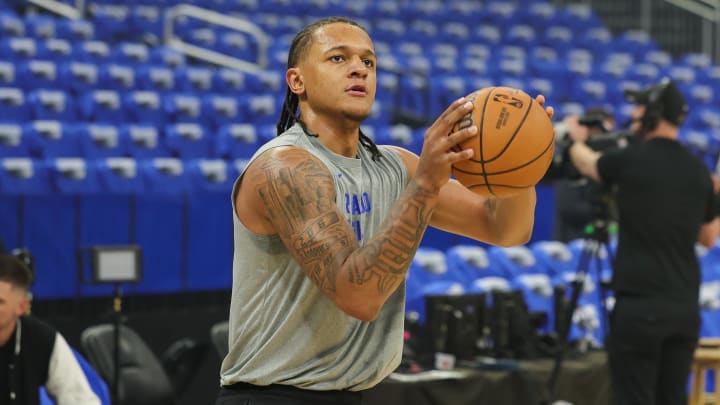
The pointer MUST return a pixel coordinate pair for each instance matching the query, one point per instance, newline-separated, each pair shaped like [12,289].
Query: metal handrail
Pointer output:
[65,10]
[212,56]
[709,11]
[702,8]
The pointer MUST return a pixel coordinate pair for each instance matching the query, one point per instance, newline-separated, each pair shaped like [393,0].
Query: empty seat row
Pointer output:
[109,106]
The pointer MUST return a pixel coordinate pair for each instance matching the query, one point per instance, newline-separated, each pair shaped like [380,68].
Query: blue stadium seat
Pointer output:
[637,42]
[36,74]
[103,106]
[52,139]
[470,262]
[696,60]
[114,76]
[219,110]
[119,176]
[79,77]
[429,265]
[209,261]
[194,79]
[92,51]
[145,107]
[100,140]
[658,58]
[40,26]
[523,35]
[73,176]
[18,48]
[702,94]
[13,142]
[75,30]
[130,53]
[263,109]
[52,105]
[143,141]
[443,91]
[114,20]
[228,81]
[265,82]
[399,135]
[7,75]
[183,107]
[554,257]
[188,140]
[24,176]
[13,107]
[166,56]
[590,91]
[645,73]
[53,49]
[683,75]
[11,25]
[148,20]
[155,78]
[514,261]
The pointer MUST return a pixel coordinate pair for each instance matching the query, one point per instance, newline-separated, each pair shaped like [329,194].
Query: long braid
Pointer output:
[288,115]
[370,145]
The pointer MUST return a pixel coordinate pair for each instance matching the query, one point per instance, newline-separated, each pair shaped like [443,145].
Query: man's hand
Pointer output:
[437,157]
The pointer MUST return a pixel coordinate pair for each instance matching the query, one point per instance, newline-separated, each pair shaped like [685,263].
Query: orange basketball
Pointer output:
[514,144]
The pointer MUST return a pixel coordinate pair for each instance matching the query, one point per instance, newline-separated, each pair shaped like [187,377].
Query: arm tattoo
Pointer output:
[388,255]
[299,193]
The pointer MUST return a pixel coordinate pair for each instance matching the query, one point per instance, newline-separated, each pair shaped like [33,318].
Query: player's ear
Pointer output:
[294,80]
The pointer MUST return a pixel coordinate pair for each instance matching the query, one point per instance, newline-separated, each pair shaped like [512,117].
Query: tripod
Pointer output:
[597,239]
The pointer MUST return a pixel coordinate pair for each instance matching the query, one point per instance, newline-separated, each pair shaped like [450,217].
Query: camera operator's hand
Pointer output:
[716,182]
[576,131]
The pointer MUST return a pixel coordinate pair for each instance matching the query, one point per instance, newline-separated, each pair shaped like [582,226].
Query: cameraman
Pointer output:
[666,203]
[577,198]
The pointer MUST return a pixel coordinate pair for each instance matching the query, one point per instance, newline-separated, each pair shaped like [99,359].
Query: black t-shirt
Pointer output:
[664,195]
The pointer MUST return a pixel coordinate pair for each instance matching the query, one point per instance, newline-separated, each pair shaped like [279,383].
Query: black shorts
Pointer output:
[248,394]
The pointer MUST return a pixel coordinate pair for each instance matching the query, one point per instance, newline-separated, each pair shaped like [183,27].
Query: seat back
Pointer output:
[219,337]
[142,379]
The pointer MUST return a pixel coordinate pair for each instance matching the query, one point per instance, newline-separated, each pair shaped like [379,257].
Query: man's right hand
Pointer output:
[438,156]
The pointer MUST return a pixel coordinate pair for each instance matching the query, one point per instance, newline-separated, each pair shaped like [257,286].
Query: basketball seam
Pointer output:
[480,137]
[514,168]
[512,138]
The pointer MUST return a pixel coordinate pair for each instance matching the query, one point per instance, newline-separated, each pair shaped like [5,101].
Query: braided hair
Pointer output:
[288,115]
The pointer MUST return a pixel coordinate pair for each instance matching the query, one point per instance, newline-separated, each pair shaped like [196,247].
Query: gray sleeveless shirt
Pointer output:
[283,329]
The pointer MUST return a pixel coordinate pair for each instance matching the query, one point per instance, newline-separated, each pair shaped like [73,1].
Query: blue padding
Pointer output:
[10,221]
[97,384]
[49,232]
[209,258]
[105,219]
[159,230]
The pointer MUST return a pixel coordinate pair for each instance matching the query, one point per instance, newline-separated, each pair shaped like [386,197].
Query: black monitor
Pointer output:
[456,324]
[110,264]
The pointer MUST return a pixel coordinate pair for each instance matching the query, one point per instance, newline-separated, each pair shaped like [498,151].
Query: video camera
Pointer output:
[601,139]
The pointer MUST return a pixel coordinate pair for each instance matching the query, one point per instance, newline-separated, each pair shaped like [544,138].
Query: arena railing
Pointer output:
[63,9]
[218,58]
[709,11]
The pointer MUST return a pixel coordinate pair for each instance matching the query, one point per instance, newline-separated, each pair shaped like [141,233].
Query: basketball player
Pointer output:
[665,202]
[32,353]
[326,224]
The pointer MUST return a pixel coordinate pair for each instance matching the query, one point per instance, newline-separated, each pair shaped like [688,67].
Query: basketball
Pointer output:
[514,144]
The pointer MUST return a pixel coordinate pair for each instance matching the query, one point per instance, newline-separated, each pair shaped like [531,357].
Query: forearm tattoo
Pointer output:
[388,255]
[300,199]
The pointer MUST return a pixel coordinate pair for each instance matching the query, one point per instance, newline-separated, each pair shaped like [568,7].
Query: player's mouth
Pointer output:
[358,90]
